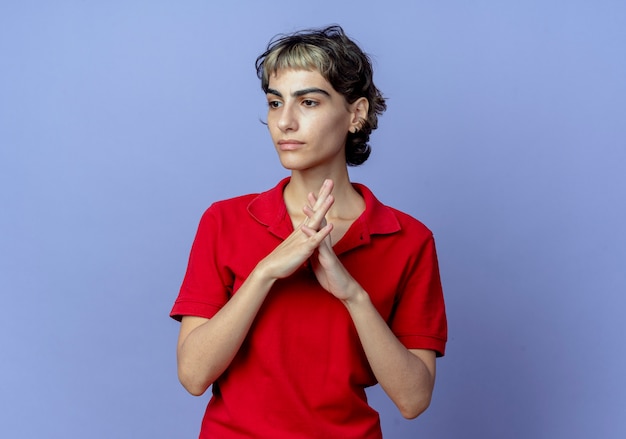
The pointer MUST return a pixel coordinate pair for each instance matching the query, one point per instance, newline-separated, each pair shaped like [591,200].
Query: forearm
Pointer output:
[407,378]
[206,350]
[206,347]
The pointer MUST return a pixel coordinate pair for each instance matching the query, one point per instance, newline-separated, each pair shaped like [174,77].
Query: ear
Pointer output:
[358,110]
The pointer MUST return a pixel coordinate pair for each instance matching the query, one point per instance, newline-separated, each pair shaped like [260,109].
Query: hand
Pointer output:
[328,269]
[300,245]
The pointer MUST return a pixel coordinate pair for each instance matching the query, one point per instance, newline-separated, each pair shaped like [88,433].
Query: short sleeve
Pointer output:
[419,316]
[207,284]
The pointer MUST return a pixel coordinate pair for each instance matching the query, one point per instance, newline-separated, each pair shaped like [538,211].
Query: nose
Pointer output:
[287,120]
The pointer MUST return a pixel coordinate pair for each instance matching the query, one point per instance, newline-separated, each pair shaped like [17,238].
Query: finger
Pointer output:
[324,192]
[308,214]
[317,236]
[318,205]
[312,199]
[309,209]
[324,247]
[316,218]
[316,201]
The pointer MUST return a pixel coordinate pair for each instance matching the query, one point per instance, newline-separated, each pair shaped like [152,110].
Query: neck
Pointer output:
[348,202]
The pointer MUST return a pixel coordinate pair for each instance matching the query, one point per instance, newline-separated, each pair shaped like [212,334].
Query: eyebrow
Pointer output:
[299,93]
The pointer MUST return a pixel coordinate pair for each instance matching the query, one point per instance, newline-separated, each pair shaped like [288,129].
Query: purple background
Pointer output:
[121,121]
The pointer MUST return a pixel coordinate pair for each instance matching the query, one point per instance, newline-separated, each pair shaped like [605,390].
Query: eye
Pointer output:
[309,103]
[274,104]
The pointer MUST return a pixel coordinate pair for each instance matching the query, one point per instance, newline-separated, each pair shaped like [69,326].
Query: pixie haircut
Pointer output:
[341,62]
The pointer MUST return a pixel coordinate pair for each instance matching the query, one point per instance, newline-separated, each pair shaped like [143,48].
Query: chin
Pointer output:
[295,165]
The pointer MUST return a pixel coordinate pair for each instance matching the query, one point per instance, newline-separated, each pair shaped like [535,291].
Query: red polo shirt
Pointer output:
[301,372]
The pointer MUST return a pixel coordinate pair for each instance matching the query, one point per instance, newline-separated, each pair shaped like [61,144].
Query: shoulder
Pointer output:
[228,207]
[384,219]
[254,205]
[410,224]
[231,204]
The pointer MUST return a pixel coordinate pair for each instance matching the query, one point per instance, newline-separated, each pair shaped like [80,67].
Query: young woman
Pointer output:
[297,299]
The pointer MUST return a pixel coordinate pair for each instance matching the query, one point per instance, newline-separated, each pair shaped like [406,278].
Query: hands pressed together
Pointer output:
[311,240]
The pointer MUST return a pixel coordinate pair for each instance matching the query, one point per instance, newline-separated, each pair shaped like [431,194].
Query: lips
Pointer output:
[289,144]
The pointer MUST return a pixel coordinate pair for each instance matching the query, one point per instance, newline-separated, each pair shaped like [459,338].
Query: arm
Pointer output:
[207,346]
[406,375]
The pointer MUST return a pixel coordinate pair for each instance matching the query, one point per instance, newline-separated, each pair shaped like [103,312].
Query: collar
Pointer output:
[269,209]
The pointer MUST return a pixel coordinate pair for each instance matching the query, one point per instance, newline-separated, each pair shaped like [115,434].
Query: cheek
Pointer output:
[271,124]
[338,127]
[273,133]
[329,123]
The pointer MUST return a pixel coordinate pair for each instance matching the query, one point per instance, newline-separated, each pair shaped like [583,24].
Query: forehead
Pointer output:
[291,80]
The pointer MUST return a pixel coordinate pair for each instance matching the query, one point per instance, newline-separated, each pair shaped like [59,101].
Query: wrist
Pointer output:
[356,297]
[261,274]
